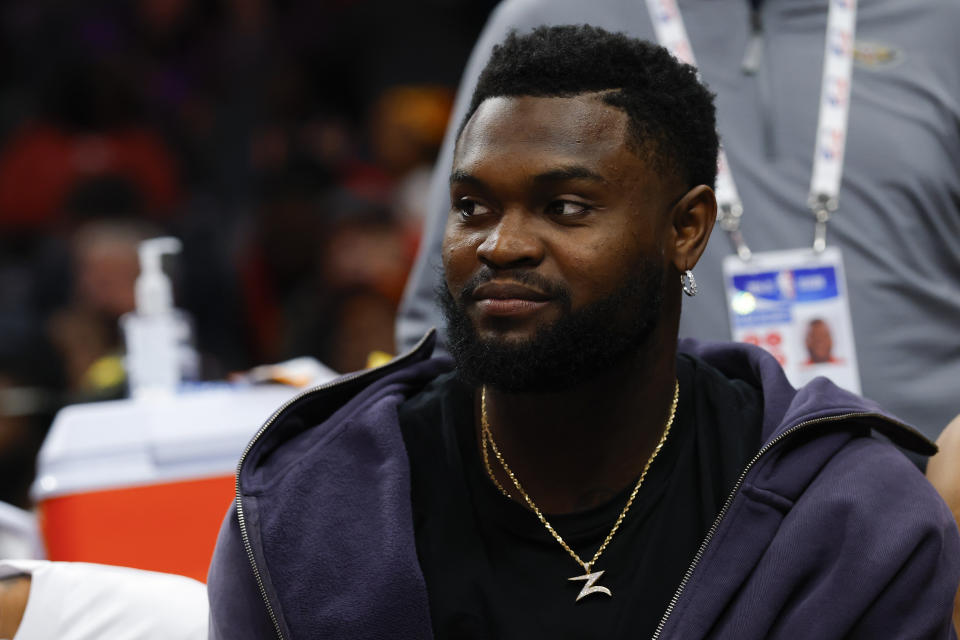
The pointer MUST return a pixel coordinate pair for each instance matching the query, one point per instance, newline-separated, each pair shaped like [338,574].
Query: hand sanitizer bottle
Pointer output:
[157,335]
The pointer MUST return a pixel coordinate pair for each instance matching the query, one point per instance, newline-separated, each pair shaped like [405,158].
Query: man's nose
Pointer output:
[513,242]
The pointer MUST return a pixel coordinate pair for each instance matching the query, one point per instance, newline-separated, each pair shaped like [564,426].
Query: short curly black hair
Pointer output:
[672,119]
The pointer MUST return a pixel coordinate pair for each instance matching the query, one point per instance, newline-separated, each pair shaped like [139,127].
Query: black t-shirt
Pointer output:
[493,571]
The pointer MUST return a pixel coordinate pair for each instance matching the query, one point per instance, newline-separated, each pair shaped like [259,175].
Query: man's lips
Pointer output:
[508,299]
[508,291]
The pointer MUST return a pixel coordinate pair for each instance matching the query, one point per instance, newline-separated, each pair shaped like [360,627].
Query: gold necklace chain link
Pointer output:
[486,438]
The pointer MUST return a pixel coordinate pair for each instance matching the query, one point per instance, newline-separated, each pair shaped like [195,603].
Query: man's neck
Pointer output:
[577,448]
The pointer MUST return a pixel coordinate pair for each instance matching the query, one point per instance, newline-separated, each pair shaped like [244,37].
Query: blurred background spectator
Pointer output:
[288,144]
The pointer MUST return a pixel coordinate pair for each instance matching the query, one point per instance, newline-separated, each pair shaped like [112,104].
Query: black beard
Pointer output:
[577,347]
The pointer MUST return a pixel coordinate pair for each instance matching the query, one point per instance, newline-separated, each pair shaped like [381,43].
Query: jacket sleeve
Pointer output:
[862,548]
[237,608]
[917,601]
[877,553]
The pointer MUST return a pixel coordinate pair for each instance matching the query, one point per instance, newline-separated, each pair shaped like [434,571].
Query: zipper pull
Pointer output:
[753,56]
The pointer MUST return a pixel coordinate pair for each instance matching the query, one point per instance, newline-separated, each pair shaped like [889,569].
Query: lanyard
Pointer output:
[827,171]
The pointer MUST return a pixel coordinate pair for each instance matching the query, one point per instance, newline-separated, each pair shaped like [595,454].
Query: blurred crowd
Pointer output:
[287,144]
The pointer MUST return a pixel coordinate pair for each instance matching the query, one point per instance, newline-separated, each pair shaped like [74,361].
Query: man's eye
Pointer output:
[566,208]
[468,208]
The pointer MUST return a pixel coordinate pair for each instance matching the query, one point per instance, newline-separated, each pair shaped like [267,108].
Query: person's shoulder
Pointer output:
[403,376]
[433,393]
[832,532]
[879,509]
[363,400]
[715,386]
[423,411]
[884,470]
[732,408]
[924,29]
[865,548]
[875,490]
[949,8]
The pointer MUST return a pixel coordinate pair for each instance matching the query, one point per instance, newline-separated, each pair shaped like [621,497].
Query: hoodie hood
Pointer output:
[786,407]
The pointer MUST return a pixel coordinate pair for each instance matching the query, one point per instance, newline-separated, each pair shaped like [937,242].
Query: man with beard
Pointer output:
[897,215]
[576,474]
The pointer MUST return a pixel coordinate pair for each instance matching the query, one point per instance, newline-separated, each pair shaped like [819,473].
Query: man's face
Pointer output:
[819,341]
[553,252]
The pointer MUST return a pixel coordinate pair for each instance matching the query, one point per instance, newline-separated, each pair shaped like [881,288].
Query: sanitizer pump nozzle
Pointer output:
[157,336]
[153,292]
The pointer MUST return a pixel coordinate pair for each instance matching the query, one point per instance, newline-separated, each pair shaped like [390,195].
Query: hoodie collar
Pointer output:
[786,407]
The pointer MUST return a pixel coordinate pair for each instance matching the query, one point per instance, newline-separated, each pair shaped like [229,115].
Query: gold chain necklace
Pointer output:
[589,578]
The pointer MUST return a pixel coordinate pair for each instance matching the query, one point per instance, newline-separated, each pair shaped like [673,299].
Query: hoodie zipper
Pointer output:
[266,425]
[726,505]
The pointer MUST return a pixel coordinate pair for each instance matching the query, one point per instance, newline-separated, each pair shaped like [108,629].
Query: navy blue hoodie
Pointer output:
[830,531]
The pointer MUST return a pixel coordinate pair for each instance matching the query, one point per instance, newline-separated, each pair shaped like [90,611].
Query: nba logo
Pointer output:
[837,89]
[667,12]
[840,42]
[785,282]
[830,148]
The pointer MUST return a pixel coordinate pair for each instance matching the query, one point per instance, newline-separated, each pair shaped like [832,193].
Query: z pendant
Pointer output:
[589,587]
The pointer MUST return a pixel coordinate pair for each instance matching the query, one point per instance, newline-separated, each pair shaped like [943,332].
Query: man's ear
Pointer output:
[693,218]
